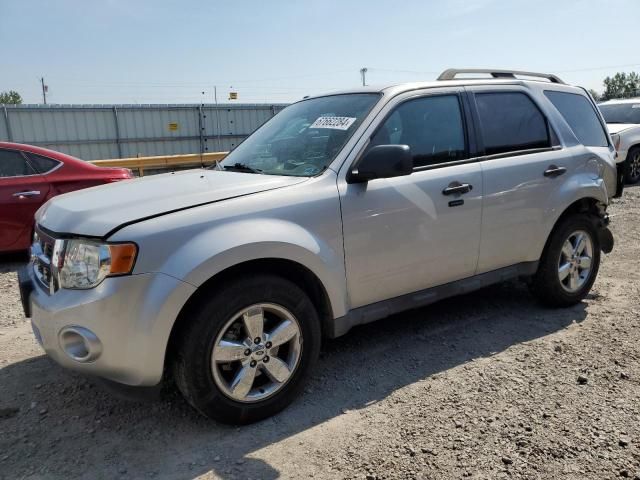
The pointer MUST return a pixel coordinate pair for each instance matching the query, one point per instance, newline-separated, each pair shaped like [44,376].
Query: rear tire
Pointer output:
[250,386]
[569,263]
[632,171]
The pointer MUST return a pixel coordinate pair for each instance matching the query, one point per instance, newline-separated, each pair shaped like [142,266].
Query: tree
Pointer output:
[621,85]
[596,96]
[10,98]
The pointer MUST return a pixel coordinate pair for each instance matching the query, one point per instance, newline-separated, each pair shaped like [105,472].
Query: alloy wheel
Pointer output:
[576,261]
[256,352]
[634,167]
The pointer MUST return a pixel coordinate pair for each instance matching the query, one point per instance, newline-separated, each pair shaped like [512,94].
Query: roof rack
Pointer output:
[451,73]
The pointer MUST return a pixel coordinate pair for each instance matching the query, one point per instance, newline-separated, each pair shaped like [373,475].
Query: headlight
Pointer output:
[86,263]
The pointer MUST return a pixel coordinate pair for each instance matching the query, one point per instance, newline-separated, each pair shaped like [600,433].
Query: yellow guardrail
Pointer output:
[164,161]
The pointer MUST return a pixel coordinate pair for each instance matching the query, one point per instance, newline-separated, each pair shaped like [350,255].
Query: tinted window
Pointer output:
[621,112]
[431,126]
[581,117]
[13,164]
[42,164]
[510,122]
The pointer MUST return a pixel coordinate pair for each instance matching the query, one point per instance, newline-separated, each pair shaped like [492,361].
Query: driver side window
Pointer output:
[432,127]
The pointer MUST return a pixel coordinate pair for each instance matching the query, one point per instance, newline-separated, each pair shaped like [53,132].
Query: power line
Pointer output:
[598,68]
[204,82]
[252,90]
[276,89]
[589,69]
[403,71]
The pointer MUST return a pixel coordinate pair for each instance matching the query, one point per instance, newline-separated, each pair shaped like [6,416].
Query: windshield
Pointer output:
[621,112]
[304,138]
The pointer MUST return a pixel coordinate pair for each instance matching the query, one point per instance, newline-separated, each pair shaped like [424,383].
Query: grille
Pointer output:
[42,252]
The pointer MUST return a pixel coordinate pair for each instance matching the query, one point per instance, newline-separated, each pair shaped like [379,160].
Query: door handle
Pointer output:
[30,193]
[554,171]
[457,187]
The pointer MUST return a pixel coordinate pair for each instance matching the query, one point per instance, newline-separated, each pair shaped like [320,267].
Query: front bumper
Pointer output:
[620,179]
[130,316]
[25,285]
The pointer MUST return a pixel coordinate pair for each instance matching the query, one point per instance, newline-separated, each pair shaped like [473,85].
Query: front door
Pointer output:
[406,234]
[22,191]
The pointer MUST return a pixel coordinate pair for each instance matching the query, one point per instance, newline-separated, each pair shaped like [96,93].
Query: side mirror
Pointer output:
[382,161]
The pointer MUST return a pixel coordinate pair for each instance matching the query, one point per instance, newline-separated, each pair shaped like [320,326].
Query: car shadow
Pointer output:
[9,262]
[66,424]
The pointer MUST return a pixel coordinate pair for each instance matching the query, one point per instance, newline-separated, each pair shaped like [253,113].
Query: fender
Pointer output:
[196,244]
[581,186]
[226,244]
[254,239]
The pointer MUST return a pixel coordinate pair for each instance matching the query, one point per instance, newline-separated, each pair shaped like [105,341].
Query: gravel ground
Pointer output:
[489,385]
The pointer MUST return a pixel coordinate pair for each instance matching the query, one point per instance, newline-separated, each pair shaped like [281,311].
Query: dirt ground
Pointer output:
[489,385]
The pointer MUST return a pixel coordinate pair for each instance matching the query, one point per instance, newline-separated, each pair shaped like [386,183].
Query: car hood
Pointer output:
[619,127]
[99,210]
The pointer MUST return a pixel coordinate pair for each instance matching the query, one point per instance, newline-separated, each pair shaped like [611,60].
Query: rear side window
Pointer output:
[42,164]
[510,122]
[581,117]
[433,127]
[13,164]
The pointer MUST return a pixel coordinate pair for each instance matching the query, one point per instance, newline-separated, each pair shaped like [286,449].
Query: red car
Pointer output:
[29,176]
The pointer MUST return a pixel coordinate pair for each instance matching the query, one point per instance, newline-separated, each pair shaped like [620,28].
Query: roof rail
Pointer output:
[451,73]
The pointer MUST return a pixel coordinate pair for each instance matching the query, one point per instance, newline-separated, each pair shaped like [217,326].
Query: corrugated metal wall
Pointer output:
[94,132]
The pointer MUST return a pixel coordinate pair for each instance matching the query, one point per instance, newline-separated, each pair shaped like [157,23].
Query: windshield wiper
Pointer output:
[241,167]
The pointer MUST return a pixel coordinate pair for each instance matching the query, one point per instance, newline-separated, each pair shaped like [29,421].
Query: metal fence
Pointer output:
[94,132]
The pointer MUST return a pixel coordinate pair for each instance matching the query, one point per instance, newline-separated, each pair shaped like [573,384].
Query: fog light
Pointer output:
[80,344]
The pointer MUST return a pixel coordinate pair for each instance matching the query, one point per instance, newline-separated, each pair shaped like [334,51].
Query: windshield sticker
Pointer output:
[636,105]
[337,123]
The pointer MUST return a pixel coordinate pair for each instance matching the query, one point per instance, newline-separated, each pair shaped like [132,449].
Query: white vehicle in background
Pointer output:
[623,121]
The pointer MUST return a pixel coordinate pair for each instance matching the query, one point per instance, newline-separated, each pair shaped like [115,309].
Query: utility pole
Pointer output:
[203,129]
[45,89]
[363,73]
[215,99]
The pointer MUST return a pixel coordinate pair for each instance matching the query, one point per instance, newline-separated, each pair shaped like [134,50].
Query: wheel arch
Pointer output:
[285,268]
[585,205]
[634,147]
[588,205]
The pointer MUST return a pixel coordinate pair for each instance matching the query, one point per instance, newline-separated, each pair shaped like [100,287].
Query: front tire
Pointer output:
[248,350]
[569,263]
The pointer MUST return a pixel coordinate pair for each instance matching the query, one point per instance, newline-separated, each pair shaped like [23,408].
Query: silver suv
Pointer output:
[341,210]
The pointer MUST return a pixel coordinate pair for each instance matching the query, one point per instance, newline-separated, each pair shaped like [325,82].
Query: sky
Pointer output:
[161,51]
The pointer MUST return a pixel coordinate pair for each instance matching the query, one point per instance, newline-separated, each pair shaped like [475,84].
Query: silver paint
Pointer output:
[364,243]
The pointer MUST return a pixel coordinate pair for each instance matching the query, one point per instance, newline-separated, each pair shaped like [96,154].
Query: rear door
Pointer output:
[22,191]
[523,165]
